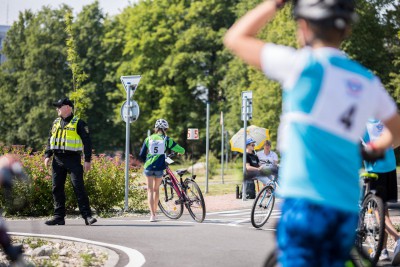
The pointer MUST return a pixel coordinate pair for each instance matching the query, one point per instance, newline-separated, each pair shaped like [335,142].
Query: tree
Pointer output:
[96,58]
[34,74]
[177,47]
[267,97]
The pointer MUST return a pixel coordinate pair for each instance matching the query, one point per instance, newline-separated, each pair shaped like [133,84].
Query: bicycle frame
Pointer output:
[175,184]
[274,184]
[187,193]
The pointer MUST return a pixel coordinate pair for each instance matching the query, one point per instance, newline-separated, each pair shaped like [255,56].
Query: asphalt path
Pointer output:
[224,239]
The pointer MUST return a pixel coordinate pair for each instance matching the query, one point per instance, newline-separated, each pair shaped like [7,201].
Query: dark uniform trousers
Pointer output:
[63,164]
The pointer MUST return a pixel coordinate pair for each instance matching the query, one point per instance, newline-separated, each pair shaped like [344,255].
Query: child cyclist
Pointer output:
[153,154]
[10,167]
[385,186]
[327,100]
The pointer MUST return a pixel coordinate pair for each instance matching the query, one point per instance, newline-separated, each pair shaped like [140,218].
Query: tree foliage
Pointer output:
[33,75]
[176,45]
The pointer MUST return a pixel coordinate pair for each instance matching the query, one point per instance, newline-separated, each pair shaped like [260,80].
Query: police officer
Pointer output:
[68,137]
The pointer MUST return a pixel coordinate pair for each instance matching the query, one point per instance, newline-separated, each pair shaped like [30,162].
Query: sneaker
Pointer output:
[153,218]
[384,255]
[396,254]
[90,220]
[55,221]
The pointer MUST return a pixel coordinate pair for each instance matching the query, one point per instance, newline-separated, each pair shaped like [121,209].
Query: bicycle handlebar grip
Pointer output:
[370,153]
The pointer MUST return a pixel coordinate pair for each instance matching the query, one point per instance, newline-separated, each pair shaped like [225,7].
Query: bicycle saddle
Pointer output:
[181,172]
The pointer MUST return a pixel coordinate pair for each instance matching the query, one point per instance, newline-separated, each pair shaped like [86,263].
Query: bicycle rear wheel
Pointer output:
[371,227]
[195,202]
[169,202]
[262,206]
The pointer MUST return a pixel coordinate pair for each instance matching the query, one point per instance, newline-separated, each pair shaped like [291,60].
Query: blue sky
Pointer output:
[111,7]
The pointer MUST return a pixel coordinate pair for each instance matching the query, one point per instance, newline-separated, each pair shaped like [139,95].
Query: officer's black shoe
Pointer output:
[55,221]
[90,220]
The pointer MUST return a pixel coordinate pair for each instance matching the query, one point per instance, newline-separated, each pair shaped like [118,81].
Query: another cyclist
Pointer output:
[385,186]
[327,100]
[9,167]
[153,154]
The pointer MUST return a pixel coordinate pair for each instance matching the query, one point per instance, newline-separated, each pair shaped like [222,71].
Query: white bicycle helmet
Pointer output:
[161,124]
[340,12]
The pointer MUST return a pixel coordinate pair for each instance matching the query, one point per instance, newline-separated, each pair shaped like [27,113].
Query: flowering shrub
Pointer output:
[104,183]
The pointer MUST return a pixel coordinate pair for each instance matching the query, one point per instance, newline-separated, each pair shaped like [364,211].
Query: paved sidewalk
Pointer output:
[226,202]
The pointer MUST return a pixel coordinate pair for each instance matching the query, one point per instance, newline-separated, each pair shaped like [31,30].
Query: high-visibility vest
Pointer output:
[67,138]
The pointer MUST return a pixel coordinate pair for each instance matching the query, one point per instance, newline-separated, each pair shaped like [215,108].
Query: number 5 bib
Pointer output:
[156,147]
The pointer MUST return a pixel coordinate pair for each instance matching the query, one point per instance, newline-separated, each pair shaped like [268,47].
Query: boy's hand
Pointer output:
[370,153]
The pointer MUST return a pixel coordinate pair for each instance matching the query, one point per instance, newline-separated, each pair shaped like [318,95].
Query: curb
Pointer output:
[136,258]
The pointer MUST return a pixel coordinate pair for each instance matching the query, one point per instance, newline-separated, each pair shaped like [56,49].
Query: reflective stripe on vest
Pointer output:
[67,138]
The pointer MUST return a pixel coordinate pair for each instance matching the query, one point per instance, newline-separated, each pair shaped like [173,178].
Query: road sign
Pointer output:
[247,105]
[134,111]
[193,134]
[131,82]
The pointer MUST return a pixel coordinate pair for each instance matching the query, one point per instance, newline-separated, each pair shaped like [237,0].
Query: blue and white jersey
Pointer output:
[327,101]
[388,164]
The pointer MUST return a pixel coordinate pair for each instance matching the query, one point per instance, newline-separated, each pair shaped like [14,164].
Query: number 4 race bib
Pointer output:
[156,147]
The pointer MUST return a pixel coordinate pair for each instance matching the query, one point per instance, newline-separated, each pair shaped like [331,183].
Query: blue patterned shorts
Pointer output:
[313,235]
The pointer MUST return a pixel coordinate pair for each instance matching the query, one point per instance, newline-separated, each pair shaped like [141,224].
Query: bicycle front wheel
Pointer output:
[262,206]
[195,201]
[371,227]
[169,202]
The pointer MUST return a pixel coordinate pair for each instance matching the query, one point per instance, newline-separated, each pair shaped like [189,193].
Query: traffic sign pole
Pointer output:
[131,108]
[247,111]
[127,137]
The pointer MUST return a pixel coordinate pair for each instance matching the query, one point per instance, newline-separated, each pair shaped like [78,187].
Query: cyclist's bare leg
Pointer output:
[150,194]
[156,189]
[389,227]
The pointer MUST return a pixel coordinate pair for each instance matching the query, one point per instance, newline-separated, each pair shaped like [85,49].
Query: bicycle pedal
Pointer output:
[178,202]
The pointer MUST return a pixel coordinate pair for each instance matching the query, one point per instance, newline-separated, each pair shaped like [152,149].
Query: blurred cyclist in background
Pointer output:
[385,186]
[9,168]
[327,100]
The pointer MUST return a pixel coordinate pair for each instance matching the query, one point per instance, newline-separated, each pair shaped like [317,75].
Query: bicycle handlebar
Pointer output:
[171,155]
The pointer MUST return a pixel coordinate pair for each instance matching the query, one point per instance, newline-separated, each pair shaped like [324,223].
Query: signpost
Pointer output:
[247,113]
[134,111]
[129,114]
[193,134]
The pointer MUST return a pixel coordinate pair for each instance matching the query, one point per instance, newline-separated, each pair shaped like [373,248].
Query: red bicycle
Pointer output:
[174,194]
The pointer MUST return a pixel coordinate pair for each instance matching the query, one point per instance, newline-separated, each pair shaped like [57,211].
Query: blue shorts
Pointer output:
[313,235]
[156,174]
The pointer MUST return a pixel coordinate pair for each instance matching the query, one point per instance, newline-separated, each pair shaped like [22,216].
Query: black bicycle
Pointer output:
[371,224]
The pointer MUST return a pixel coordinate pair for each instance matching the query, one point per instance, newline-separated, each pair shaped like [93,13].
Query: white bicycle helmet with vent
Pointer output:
[340,12]
[161,124]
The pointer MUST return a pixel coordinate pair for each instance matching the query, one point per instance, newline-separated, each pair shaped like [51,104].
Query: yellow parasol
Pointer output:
[258,134]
